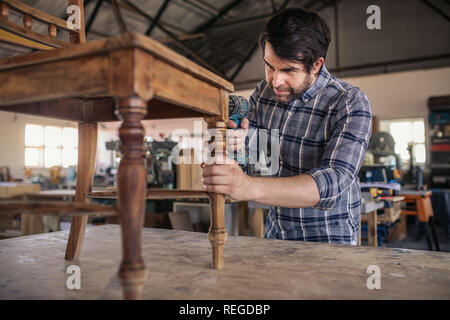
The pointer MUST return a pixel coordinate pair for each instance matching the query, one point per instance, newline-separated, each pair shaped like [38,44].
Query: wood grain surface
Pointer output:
[179,267]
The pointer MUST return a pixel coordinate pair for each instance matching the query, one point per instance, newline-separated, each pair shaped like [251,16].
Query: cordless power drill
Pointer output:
[238,107]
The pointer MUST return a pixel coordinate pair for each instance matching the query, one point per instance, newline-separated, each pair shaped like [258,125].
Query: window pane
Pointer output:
[52,157]
[402,149]
[402,131]
[31,157]
[69,157]
[419,131]
[70,137]
[419,153]
[34,135]
[53,136]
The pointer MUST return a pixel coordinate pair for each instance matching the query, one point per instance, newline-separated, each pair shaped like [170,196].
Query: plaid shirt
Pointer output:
[324,134]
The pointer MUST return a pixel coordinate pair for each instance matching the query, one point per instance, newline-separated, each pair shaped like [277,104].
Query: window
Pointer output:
[404,132]
[47,146]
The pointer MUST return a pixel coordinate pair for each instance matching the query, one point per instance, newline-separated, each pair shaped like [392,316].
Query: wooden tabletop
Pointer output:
[369,206]
[81,82]
[14,189]
[179,267]
[420,193]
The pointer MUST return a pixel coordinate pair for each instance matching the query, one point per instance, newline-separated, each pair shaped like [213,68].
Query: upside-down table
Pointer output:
[128,78]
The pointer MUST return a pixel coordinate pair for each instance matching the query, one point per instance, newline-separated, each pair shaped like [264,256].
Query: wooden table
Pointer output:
[16,189]
[57,194]
[369,215]
[390,215]
[29,224]
[130,78]
[33,268]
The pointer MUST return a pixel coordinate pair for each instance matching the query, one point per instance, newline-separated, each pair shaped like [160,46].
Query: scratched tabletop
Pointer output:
[179,267]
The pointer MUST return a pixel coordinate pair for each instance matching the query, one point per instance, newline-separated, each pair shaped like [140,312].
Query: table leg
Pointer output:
[217,234]
[87,147]
[258,223]
[372,236]
[359,233]
[131,185]
[434,233]
[243,218]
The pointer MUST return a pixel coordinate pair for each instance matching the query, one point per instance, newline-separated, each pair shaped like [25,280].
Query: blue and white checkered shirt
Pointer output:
[324,134]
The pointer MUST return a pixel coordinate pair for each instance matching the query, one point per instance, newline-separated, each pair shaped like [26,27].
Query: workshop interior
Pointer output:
[57,82]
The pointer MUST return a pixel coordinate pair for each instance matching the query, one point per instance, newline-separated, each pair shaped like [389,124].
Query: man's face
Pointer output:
[288,79]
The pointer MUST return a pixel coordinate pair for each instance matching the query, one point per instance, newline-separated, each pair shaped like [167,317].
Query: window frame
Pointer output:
[388,122]
[41,148]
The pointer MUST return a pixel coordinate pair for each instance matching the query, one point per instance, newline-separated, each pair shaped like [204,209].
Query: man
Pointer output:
[324,126]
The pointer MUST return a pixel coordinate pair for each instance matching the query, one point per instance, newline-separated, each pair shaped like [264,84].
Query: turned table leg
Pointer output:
[87,147]
[131,184]
[217,234]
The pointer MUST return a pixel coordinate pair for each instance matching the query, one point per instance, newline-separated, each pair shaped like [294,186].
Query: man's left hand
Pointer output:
[226,177]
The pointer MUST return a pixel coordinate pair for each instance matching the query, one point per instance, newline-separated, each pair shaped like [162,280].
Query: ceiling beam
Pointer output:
[259,17]
[98,33]
[93,15]
[177,41]
[222,12]
[183,38]
[126,7]
[213,49]
[157,17]
[436,10]
[244,61]
[253,49]
[274,7]
[118,16]
[206,5]
[203,7]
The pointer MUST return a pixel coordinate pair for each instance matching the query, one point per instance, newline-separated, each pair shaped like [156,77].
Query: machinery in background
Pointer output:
[55,175]
[5,174]
[160,172]
[157,156]
[380,179]
[381,145]
[414,176]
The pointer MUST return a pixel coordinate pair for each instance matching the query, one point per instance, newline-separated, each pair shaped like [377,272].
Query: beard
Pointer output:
[294,93]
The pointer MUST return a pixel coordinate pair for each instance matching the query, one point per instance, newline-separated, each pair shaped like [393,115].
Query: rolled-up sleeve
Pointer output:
[350,130]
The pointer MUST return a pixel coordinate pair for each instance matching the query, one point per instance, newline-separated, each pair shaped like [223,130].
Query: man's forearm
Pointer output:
[291,192]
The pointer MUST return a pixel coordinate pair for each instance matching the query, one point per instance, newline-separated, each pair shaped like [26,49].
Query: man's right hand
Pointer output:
[236,137]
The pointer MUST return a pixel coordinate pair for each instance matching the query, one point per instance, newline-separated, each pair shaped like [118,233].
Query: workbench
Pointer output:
[179,265]
[390,215]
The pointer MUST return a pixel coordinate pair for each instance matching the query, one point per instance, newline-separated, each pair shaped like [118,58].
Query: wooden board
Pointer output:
[179,267]
[13,189]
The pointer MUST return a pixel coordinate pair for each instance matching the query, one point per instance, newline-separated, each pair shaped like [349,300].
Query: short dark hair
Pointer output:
[295,31]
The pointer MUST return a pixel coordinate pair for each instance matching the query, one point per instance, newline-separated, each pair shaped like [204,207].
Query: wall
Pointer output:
[403,94]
